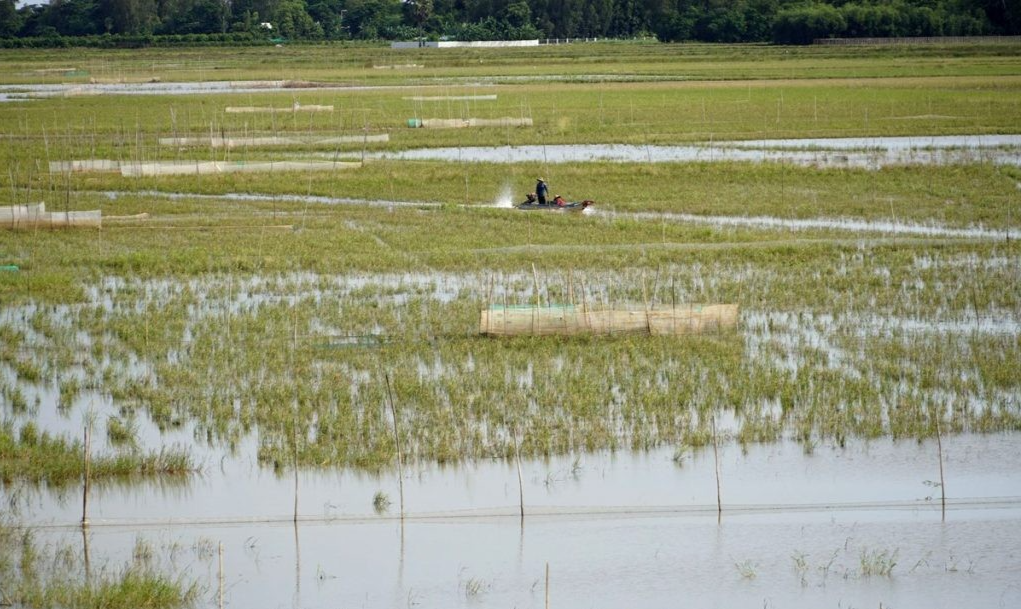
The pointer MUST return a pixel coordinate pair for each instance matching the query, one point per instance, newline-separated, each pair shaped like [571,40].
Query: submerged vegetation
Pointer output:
[33,575]
[277,315]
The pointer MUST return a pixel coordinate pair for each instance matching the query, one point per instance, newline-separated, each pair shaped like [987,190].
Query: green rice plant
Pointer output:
[747,569]
[120,432]
[16,399]
[475,587]
[36,456]
[69,388]
[877,562]
[27,370]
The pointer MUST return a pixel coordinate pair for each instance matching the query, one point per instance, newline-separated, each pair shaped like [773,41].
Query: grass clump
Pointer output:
[35,456]
[380,502]
[121,432]
[877,562]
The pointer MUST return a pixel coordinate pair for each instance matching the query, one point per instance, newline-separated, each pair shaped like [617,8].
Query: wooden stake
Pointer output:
[547,585]
[489,305]
[86,555]
[294,439]
[645,297]
[942,485]
[517,462]
[673,303]
[584,304]
[506,290]
[397,442]
[538,302]
[535,282]
[88,467]
[221,575]
[716,456]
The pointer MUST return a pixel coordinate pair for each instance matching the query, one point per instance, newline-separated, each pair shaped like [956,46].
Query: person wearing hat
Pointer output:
[541,190]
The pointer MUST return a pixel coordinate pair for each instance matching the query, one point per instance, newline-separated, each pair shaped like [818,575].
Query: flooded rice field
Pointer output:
[828,470]
[870,153]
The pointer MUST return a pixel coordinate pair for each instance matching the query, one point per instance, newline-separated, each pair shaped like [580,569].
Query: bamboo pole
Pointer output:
[397,442]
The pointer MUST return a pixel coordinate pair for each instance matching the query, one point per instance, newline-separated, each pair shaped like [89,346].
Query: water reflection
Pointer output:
[619,561]
[870,153]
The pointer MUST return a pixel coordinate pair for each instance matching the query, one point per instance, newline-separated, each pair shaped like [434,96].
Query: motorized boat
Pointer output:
[557,204]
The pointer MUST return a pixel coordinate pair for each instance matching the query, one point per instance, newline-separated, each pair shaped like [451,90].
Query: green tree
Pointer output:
[10,20]
[128,16]
[804,24]
[292,20]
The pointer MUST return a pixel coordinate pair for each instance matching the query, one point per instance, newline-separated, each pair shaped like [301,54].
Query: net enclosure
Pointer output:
[567,320]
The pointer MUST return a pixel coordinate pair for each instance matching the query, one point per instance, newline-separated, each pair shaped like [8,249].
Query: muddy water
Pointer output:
[616,530]
[871,153]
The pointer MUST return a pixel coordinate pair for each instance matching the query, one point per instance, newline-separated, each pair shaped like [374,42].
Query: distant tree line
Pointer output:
[135,22]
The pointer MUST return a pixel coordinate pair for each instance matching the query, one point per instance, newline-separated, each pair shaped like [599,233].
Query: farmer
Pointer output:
[559,201]
[541,190]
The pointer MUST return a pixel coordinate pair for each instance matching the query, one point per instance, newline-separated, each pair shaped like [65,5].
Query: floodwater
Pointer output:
[842,224]
[113,195]
[617,530]
[883,143]
[506,200]
[870,153]
[21,92]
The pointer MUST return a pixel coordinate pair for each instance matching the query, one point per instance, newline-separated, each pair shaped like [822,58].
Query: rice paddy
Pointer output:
[267,347]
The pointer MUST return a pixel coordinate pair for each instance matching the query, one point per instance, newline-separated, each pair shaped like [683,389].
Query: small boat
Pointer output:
[532,203]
